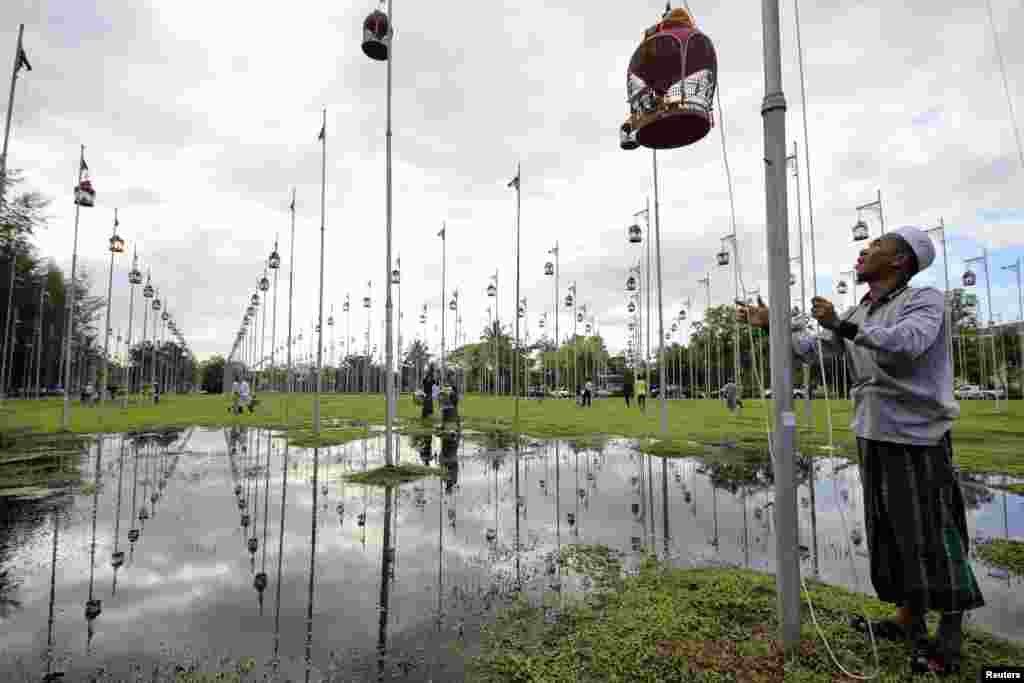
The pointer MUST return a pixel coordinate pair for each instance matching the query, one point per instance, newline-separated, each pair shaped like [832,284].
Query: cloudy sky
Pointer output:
[199,119]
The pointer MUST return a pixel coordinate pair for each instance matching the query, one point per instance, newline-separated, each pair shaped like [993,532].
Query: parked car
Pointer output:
[998,393]
[798,392]
[968,392]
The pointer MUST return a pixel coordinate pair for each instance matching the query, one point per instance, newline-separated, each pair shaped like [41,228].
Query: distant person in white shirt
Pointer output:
[244,396]
[234,397]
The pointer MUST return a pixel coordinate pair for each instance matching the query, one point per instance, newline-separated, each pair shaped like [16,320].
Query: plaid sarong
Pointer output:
[916,526]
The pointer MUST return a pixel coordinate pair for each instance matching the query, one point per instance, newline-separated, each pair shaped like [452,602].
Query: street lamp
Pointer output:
[116,247]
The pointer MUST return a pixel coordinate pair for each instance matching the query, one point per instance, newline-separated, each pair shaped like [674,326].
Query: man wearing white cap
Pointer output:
[903,410]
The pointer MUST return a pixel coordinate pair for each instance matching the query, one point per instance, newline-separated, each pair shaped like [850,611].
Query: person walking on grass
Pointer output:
[588,393]
[627,388]
[244,396]
[428,394]
[903,412]
[641,393]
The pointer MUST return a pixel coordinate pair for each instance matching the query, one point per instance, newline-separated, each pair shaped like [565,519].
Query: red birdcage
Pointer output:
[85,195]
[377,36]
[670,85]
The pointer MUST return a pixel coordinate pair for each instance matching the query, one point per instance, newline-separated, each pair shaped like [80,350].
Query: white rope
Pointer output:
[1006,85]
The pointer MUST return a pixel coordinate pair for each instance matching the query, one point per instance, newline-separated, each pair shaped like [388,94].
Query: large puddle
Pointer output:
[203,545]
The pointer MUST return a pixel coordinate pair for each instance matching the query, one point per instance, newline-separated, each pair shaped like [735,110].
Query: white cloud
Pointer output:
[199,120]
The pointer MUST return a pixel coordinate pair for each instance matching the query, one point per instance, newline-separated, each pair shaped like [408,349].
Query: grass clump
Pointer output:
[304,438]
[393,476]
[1006,554]
[667,624]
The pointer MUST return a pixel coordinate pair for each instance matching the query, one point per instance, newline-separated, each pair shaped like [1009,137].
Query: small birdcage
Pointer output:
[860,230]
[85,195]
[568,300]
[723,258]
[631,307]
[842,287]
[579,317]
[253,544]
[396,277]
[116,244]
[492,290]
[792,279]
[274,261]
[263,283]
[255,300]
[117,559]
[522,311]
[589,328]
[156,304]
[631,284]
[549,268]
[423,318]
[634,234]
[135,276]
[675,327]
[133,535]
[93,608]
[682,314]
[627,137]
[260,582]
[541,323]
[366,302]
[970,279]
[452,305]
[377,35]
[330,321]
[249,312]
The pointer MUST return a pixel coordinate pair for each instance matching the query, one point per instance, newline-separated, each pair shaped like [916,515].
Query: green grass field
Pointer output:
[669,624]
[984,441]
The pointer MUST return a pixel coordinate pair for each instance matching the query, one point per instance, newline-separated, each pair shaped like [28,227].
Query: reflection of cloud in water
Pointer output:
[190,582]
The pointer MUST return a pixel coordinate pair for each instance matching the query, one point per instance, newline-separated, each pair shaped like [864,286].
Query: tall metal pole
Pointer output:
[515,367]
[444,256]
[662,387]
[273,323]
[941,229]
[291,294]
[106,332]
[400,364]
[558,379]
[773,111]
[647,296]
[10,113]
[131,323]
[69,327]
[807,154]
[39,335]
[320,299]
[389,351]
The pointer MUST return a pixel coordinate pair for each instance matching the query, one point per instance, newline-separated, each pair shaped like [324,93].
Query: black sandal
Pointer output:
[886,629]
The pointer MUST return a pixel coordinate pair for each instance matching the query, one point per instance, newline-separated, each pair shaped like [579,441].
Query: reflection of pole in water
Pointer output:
[260,582]
[664,503]
[117,557]
[312,567]
[280,559]
[814,514]
[650,502]
[440,548]
[387,557]
[558,517]
[714,511]
[50,674]
[746,532]
[253,542]
[518,505]
[133,532]
[93,605]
